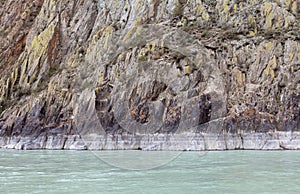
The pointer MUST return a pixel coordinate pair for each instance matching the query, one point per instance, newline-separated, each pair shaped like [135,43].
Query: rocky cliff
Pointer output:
[150,74]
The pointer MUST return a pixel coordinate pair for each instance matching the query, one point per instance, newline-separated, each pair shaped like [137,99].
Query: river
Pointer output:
[149,172]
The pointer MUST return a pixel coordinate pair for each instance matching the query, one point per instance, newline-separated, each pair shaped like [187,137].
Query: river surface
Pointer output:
[149,172]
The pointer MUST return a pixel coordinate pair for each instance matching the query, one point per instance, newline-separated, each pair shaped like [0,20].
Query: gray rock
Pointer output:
[151,75]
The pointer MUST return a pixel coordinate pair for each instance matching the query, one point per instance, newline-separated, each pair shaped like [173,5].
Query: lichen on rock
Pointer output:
[156,75]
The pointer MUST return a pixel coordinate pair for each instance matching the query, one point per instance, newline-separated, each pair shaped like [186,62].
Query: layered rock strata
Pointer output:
[152,75]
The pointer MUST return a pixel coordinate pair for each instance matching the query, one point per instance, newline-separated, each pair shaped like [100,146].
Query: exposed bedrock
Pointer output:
[152,75]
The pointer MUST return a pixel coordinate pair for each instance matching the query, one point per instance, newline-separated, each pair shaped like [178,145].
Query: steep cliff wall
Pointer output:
[150,74]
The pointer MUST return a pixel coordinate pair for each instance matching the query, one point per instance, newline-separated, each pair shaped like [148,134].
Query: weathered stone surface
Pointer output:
[152,75]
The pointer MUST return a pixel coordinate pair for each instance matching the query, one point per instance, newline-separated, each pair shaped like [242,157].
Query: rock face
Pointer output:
[153,75]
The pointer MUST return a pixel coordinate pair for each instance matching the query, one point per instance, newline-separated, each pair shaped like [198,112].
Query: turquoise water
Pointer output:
[175,172]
